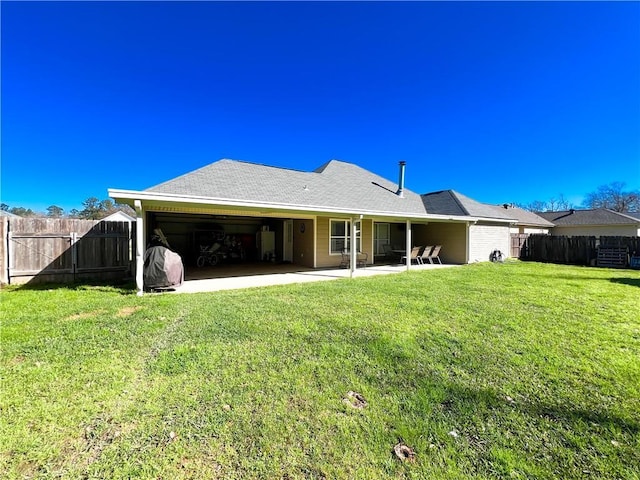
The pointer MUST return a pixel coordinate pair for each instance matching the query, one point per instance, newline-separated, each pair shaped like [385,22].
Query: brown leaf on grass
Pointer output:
[404,453]
[355,400]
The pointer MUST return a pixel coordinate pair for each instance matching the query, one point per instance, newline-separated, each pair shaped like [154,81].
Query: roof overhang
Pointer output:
[174,202]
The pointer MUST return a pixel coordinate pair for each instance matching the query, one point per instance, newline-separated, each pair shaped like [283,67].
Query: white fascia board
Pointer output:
[222,202]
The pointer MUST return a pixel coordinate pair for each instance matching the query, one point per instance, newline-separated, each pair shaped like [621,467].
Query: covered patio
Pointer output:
[232,278]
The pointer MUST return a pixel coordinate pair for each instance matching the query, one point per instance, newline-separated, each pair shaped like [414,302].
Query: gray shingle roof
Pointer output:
[524,217]
[450,202]
[336,184]
[598,216]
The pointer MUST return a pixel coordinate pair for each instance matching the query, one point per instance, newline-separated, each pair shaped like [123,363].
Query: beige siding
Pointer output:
[324,258]
[485,238]
[452,237]
[606,231]
[366,238]
[303,242]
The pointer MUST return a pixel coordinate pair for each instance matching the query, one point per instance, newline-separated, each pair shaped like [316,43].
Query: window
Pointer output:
[382,237]
[340,236]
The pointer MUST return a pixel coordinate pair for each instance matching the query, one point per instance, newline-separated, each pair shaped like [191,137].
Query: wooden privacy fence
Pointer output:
[65,250]
[574,250]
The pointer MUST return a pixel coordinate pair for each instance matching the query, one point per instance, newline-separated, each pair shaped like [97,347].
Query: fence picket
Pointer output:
[64,250]
[582,250]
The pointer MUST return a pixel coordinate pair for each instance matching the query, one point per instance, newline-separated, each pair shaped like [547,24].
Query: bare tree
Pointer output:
[614,197]
[552,205]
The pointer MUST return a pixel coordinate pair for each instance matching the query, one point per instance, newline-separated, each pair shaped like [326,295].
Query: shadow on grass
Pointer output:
[442,380]
[122,288]
[634,282]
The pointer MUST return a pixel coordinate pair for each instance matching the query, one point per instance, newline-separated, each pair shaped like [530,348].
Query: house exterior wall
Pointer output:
[303,242]
[452,237]
[323,258]
[529,230]
[485,238]
[366,235]
[597,231]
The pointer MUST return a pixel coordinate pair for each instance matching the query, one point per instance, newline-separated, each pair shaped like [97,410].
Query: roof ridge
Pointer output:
[455,194]
[624,214]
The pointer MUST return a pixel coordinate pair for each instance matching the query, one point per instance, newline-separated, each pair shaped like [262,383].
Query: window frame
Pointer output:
[346,237]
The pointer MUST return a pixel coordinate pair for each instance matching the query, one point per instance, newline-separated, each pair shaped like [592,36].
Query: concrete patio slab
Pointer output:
[288,275]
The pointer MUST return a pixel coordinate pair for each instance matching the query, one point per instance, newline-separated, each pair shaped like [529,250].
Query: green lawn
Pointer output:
[515,370]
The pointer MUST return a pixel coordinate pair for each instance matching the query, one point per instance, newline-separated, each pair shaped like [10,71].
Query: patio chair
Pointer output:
[435,254]
[346,260]
[415,256]
[361,259]
[389,254]
[425,254]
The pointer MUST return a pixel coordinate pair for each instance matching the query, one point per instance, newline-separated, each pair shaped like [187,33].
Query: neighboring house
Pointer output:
[119,216]
[526,222]
[596,222]
[314,215]
[4,213]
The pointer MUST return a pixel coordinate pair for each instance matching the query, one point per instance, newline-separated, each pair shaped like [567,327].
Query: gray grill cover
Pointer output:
[162,268]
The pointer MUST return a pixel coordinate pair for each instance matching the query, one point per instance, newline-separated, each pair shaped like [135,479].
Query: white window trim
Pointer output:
[347,237]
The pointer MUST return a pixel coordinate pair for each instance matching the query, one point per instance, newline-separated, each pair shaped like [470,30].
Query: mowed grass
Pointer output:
[515,370]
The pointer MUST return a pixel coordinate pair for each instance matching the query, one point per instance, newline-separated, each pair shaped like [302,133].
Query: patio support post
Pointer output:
[353,254]
[408,246]
[139,247]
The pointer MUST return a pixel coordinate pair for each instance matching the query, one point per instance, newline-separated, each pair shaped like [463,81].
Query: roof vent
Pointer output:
[400,191]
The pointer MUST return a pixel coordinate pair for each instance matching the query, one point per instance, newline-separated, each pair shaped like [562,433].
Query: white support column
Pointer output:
[353,253]
[408,245]
[139,247]
[466,239]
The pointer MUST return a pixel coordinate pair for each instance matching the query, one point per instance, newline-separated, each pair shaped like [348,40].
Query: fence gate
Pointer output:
[66,250]
[518,241]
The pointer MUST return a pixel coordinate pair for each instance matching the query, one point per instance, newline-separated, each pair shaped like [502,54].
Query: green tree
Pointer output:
[54,211]
[22,212]
[92,209]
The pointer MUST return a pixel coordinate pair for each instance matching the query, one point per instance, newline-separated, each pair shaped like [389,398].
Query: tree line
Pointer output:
[93,209]
[613,196]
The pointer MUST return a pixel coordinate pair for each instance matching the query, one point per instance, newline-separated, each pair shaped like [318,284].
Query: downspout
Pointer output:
[139,247]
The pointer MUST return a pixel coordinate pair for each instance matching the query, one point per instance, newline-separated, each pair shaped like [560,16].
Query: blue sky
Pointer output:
[503,102]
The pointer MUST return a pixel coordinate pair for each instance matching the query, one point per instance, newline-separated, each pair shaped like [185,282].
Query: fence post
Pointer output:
[4,262]
[74,254]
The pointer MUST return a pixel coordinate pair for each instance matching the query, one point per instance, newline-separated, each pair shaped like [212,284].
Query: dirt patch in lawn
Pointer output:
[126,311]
[84,315]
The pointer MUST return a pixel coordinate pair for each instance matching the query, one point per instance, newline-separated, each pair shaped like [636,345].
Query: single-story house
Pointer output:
[314,215]
[526,222]
[119,216]
[4,213]
[595,222]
